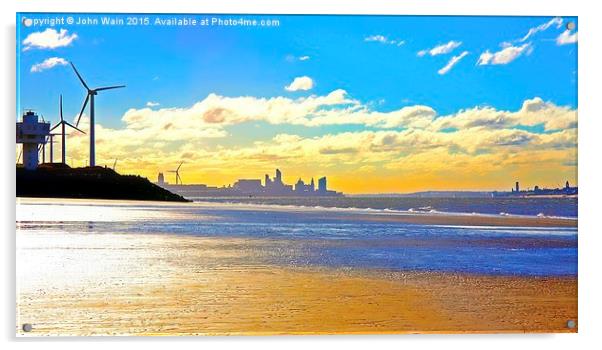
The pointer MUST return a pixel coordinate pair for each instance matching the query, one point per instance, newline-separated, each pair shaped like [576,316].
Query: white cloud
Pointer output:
[48,64]
[300,83]
[542,27]
[378,38]
[49,39]
[452,62]
[440,49]
[566,38]
[293,58]
[504,56]
[216,112]
[384,40]
[533,112]
[152,104]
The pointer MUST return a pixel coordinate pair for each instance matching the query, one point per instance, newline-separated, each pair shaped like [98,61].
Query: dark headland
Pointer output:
[62,181]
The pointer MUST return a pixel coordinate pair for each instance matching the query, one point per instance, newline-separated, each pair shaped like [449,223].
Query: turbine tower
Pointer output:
[51,142]
[177,171]
[63,123]
[90,97]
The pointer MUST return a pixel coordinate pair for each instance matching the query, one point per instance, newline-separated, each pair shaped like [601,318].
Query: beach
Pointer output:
[78,277]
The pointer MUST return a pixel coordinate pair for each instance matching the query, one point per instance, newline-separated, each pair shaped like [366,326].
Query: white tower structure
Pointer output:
[31,133]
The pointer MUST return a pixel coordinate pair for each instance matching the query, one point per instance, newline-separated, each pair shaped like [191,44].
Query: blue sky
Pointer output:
[237,61]
[373,58]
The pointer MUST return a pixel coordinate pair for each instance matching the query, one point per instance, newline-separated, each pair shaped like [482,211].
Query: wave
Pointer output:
[426,210]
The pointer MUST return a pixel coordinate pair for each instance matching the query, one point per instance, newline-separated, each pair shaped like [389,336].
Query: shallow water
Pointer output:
[317,237]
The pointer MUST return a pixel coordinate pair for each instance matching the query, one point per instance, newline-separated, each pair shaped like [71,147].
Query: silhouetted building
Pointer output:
[248,186]
[276,187]
[567,190]
[160,179]
[302,189]
[322,185]
[278,178]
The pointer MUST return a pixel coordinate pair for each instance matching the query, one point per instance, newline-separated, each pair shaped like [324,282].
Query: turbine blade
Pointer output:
[56,126]
[74,127]
[61,106]
[82,111]
[79,76]
[109,87]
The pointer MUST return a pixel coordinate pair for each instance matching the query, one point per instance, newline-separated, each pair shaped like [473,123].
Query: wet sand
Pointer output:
[115,284]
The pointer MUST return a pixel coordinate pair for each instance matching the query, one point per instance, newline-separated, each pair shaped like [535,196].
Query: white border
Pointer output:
[590,147]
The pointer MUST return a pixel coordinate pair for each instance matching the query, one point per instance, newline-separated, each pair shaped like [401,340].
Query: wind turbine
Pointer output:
[177,171]
[51,142]
[63,123]
[90,97]
[42,146]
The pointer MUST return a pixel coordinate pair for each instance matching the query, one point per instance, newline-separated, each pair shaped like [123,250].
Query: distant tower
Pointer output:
[517,187]
[312,185]
[278,178]
[161,179]
[31,133]
[322,185]
[566,185]
[300,186]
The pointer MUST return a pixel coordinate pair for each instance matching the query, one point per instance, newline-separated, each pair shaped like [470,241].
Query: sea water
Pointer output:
[321,234]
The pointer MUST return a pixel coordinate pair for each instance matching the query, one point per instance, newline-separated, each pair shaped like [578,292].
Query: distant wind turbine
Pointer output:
[90,97]
[63,123]
[177,171]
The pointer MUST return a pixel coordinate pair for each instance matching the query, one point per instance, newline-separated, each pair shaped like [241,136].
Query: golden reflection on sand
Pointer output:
[77,284]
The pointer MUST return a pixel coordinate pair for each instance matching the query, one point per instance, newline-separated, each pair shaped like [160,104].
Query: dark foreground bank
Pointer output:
[89,182]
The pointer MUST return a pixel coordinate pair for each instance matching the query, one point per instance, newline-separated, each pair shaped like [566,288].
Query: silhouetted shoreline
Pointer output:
[61,181]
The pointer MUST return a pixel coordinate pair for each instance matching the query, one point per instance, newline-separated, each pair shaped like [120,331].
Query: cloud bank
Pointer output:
[413,142]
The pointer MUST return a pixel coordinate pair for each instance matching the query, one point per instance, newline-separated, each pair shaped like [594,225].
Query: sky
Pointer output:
[378,104]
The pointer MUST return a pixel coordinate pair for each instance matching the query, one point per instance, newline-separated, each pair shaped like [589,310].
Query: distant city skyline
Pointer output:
[381,104]
[271,186]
